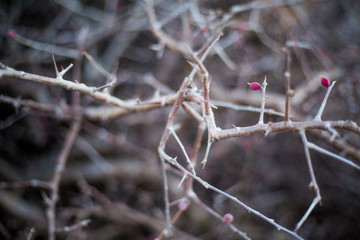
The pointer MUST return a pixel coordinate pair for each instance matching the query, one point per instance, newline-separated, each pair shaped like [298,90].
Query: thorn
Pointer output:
[56,69]
[203,163]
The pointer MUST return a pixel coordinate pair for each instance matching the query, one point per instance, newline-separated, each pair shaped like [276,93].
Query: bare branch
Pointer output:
[322,107]
[69,85]
[313,183]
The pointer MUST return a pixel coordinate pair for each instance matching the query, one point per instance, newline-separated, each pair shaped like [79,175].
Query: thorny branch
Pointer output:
[197,103]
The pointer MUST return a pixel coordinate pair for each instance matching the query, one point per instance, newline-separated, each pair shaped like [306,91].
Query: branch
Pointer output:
[66,84]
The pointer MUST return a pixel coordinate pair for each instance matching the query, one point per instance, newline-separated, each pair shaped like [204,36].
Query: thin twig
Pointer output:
[263,100]
[31,233]
[73,227]
[313,183]
[236,200]
[287,84]
[172,131]
[326,152]
[69,85]
[322,107]
[23,184]
[50,48]
[59,169]
[110,77]
[267,128]
[195,198]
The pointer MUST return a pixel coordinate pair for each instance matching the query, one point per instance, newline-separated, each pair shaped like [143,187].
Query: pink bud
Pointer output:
[241,26]
[325,82]
[228,218]
[254,85]
[62,68]
[11,33]
[182,205]
[204,30]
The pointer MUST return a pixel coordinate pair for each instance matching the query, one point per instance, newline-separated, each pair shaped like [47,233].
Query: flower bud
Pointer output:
[228,218]
[254,85]
[183,205]
[325,82]
[11,33]
[204,30]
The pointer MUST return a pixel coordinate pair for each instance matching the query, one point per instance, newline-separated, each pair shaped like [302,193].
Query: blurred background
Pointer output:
[113,172]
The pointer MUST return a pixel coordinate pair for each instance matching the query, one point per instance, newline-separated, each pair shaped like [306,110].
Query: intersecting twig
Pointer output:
[61,51]
[263,100]
[289,92]
[109,76]
[172,131]
[313,183]
[326,152]
[322,107]
[69,85]
[196,199]
[59,169]
[237,201]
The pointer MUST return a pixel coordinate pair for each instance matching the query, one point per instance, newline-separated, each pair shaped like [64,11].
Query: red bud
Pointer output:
[325,82]
[228,218]
[241,26]
[254,85]
[11,33]
[204,30]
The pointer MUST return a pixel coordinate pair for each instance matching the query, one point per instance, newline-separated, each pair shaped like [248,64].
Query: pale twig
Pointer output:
[164,156]
[237,107]
[339,143]
[59,112]
[236,9]
[236,200]
[61,51]
[176,216]
[204,161]
[284,127]
[263,100]
[289,92]
[182,180]
[172,131]
[322,107]
[313,183]
[94,155]
[165,136]
[117,140]
[200,21]
[85,11]
[69,85]
[73,227]
[167,231]
[109,76]
[55,183]
[23,184]
[196,148]
[31,233]
[63,71]
[195,198]
[192,112]
[254,24]
[111,112]
[326,152]
[162,36]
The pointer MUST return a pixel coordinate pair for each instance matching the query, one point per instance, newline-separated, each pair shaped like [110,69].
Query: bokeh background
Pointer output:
[125,200]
